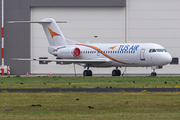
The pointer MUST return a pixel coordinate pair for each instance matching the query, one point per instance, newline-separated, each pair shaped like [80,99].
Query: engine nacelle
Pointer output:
[72,52]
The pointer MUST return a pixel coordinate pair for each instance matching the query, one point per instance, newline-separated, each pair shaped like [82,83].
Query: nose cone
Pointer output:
[166,59]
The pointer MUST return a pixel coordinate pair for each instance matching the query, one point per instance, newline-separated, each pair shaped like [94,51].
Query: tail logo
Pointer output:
[53,33]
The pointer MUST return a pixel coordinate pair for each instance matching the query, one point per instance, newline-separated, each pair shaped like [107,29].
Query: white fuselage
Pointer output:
[119,54]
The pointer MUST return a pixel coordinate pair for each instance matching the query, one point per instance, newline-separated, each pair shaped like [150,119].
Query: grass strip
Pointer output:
[89,82]
[63,105]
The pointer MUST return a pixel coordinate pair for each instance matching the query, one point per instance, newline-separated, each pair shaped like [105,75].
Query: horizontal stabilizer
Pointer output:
[42,21]
[29,21]
[53,33]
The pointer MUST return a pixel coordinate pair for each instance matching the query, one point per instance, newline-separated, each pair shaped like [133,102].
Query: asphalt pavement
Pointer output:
[94,90]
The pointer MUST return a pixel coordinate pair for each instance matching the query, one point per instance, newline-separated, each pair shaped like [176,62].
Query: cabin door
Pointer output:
[142,56]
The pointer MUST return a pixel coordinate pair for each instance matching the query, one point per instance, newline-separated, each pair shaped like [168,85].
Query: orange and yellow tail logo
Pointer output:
[113,47]
[53,33]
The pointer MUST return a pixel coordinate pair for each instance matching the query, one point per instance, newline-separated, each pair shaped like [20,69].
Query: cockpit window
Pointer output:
[152,50]
[164,50]
[157,50]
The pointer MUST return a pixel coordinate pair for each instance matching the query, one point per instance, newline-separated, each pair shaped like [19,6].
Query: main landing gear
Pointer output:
[87,72]
[116,72]
[153,73]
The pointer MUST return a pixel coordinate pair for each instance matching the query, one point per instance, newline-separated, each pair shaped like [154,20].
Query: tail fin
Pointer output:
[53,33]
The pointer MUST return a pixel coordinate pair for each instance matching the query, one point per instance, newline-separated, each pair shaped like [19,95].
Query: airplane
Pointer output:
[100,55]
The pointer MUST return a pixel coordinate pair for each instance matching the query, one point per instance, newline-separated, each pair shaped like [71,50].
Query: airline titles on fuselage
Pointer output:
[128,48]
[121,49]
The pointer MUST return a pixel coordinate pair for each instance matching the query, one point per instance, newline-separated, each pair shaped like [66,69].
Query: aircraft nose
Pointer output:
[167,59]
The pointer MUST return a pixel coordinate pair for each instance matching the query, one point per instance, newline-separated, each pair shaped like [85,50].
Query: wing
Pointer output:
[67,60]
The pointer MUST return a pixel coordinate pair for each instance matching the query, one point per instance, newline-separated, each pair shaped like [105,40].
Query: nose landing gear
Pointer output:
[153,73]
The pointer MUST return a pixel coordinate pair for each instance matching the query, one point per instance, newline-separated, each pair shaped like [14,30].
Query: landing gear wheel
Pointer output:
[87,73]
[153,74]
[116,73]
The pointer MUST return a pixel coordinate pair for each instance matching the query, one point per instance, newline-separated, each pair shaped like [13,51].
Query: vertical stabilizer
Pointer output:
[53,33]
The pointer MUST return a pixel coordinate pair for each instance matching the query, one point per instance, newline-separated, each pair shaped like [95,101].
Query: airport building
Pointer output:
[90,21]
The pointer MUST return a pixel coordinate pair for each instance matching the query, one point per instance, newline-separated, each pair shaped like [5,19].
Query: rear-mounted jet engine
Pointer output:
[72,52]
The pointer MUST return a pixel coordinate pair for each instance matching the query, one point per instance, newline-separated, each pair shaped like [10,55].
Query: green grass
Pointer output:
[89,82]
[63,105]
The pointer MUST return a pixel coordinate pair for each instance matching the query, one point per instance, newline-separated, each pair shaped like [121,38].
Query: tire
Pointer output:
[85,73]
[89,73]
[118,73]
[114,73]
[153,74]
